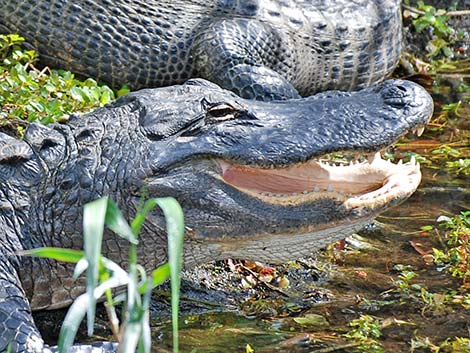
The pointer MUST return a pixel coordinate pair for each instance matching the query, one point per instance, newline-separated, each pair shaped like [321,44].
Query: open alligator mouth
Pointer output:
[372,183]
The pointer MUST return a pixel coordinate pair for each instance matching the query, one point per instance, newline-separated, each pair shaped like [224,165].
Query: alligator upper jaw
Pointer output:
[372,184]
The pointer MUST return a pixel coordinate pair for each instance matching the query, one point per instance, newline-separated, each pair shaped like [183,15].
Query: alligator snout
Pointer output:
[401,93]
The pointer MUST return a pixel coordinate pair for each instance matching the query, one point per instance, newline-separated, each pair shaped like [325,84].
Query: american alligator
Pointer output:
[266,49]
[250,176]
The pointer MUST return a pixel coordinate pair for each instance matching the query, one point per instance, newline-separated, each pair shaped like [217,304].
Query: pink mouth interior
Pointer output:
[301,178]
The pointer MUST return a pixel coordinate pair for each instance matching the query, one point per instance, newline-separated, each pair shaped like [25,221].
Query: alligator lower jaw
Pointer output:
[372,184]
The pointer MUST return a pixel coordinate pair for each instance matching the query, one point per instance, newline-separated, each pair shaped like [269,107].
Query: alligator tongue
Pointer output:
[305,177]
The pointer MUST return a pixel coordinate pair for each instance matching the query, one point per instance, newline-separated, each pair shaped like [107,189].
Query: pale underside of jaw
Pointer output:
[372,183]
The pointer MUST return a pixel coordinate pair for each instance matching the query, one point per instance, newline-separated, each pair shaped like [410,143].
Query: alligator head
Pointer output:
[251,176]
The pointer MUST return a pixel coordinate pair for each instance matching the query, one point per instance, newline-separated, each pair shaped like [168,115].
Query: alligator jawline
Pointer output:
[372,184]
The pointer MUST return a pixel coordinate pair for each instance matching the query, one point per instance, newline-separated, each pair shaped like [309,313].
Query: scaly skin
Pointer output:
[259,49]
[187,141]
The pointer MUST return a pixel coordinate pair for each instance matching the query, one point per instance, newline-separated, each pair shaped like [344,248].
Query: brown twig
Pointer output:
[447,13]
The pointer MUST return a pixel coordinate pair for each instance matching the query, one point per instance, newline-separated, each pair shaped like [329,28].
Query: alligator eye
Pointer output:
[222,112]
[219,111]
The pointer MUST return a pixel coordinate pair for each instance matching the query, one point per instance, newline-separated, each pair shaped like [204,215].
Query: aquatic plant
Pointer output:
[104,275]
[365,331]
[456,257]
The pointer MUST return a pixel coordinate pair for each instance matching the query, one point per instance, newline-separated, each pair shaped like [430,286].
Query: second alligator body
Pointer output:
[258,49]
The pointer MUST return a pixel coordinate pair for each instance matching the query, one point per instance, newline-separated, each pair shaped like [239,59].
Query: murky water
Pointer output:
[358,285]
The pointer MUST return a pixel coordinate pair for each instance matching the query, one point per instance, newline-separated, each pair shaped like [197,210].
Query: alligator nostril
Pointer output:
[48,143]
[85,134]
[401,88]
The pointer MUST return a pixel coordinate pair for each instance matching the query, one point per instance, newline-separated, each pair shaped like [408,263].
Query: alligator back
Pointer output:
[312,45]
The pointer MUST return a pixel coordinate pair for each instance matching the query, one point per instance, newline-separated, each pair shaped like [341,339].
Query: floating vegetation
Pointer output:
[456,257]
[365,331]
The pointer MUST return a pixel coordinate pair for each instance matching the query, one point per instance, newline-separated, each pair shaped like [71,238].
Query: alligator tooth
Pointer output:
[413,160]
[419,130]
[330,188]
[376,158]
[400,162]
[341,192]
[305,192]
[316,189]
[294,194]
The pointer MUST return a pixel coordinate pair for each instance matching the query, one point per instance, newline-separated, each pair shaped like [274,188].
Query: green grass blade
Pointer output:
[80,307]
[71,323]
[94,214]
[59,254]
[131,337]
[80,267]
[157,277]
[133,300]
[145,343]
[160,274]
[175,229]
[139,218]
[117,223]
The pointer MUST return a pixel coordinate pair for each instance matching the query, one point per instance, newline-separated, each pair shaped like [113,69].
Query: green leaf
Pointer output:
[160,274]
[59,254]
[131,336]
[447,51]
[80,267]
[72,321]
[145,342]
[175,228]
[77,93]
[139,218]
[312,320]
[444,219]
[117,223]
[106,97]
[94,214]
[123,90]
[80,307]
